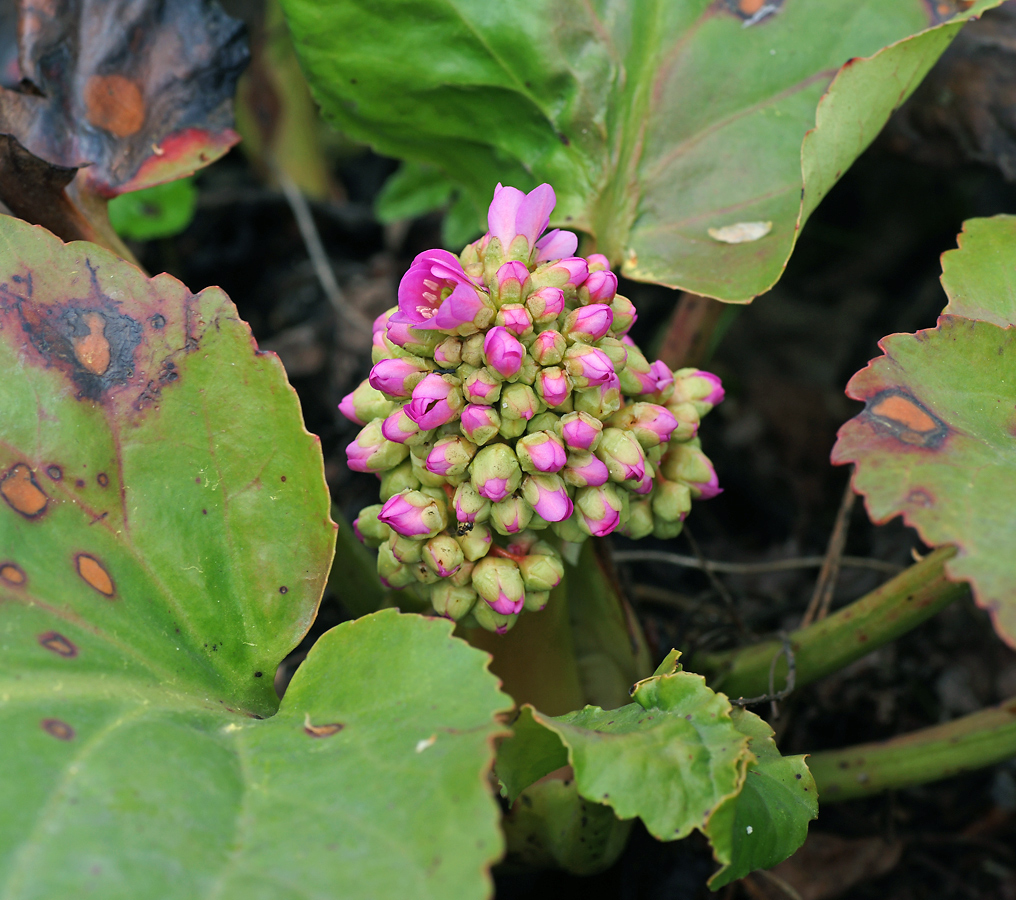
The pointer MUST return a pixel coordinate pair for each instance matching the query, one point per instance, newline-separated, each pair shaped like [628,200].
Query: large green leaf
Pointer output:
[935,440]
[164,540]
[655,120]
[768,819]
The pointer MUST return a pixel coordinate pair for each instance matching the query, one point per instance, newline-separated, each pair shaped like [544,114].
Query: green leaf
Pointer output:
[155,212]
[164,541]
[654,120]
[935,440]
[412,191]
[531,752]
[768,820]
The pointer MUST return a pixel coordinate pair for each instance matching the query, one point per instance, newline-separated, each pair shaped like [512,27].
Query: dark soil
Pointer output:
[867,265]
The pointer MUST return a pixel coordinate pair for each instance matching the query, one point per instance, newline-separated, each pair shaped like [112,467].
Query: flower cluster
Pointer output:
[506,398]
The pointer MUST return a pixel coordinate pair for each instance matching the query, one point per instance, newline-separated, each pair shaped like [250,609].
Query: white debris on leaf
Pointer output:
[741,232]
[425,743]
[749,830]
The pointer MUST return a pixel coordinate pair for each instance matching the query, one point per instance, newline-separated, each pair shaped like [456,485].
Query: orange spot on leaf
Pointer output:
[905,412]
[92,349]
[320,731]
[12,574]
[57,728]
[22,492]
[58,644]
[750,7]
[115,104]
[94,574]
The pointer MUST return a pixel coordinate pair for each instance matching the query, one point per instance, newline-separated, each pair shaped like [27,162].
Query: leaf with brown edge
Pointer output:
[126,94]
[936,442]
[164,543]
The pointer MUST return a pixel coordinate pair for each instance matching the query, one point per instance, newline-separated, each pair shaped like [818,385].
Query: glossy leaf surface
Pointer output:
[156,212]
[935,440]
[164,541]
[655,121]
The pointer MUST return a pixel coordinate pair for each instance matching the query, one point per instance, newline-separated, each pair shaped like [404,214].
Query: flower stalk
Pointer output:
[885,614]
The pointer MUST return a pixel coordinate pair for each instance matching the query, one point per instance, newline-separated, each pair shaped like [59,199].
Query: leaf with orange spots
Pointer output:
[164,543]
[936,441]
[126,94]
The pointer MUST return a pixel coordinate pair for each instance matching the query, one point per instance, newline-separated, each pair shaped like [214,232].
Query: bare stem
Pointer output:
[980,739]
[891,610]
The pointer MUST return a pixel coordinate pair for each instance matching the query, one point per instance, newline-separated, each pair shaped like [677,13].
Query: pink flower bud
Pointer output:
[624,314]
[448,354]
[703,389]
[580,431]
[663,379]
[541,452]
[548,348]
[598,262]
[548,497]
[371,452]
[481,387]
[566,274]
[689,465]
[645,486]
[546,304]
[480,423]
[510,278]
[381,322]
[585,470]
[413,514]
[348,409]
[513,213]
[495,472]
[469,506]
[622,454]
[519,401]
[503,352]
[556,244]
[516,318]
[553,386]
[436,401]
[600,401]
[399,427]
[599,287]
[599,509]
[499,583]
[651,424]
[588,366]
[588,323]
[450,456]
[397,377]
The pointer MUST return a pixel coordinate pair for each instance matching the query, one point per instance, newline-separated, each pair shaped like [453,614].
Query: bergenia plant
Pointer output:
[508,404]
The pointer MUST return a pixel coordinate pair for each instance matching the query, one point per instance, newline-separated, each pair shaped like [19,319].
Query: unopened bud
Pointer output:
[599,287]
[406,550]
[703,389]
[671,500]
[502,352]
[397,377]
[548,348]
[495,472]
[622,454]
[687,463]
[541,452]
[499,583]
[585,470]
[396,480]
[541,572]
[624,315]
[548,497]
[588,366]
[450,455]
[515,318]
[368,528]
[436,401]
[414,514]
[601,401]
[688,420]
[640,520]
[475,542]
[366,404]
[599,509]
[448,354]
[452,602]
[443,555]
[545,304]
[481,386]
[393,573]
[519,401]
[472,350]
[468,505]
[508,282]
[510,516]
[480,423]
[489,620]
[553,386]
[650,423]
[580,431]
[370,451]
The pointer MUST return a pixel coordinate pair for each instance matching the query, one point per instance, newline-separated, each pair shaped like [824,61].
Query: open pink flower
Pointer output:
[556,244]
[436,401]
[436,293]
[513,213]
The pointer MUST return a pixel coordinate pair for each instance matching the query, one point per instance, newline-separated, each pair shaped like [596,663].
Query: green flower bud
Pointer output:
[397,480]
[519,401]
[599,402]
[423,574]
[468,505]
[499,583]
[489,620]
[406,550]
[530,369]
[541,573]
[688,420]
[671,500]
[368,404]
[545,421]
[664,531]
[448,354]
[636,363]
[536,601]
[475,540]
[443,555]
[394,573]
[510,516]
[622,454]
[599,509]
[569,530]
[372,452]
[640,520]
[472,350]
[421,342]
[450,456]
[615,350]
[548,347]
[512,428]
[495,472]
[421,473]
[463,575]
[450,601]
[369,529]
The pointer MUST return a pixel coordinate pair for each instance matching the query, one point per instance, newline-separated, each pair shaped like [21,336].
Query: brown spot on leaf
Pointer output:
[12,574]
[283,590]
[103,479]
[321,731]
[115,104]
[57,728]
[22,492]
[905,417]
[92,349]
[920,497]
[94,574]
[54,472]
[58,644]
